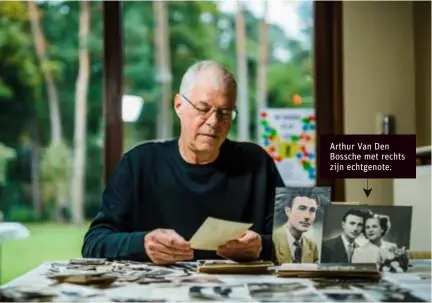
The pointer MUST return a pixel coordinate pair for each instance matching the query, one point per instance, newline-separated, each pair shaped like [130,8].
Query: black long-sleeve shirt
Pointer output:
[153,187]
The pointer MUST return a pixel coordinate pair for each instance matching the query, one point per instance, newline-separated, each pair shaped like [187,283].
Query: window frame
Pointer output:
[328,85]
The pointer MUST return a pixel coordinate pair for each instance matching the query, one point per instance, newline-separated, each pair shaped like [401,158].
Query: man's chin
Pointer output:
[208,142]
[352,237]
[204,138]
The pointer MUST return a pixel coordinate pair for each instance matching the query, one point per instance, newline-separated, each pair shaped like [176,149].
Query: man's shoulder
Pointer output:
[279,231]
[149,149]
[247,150]
[332,240]
[151,146]
[309,241]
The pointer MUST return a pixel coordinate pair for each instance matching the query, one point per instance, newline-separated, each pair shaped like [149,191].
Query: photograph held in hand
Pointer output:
[214,233]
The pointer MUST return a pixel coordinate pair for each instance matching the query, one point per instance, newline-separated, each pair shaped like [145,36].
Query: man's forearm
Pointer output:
[102,242]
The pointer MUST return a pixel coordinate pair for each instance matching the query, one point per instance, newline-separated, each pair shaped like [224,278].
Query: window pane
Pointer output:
[271,58]
[50,127]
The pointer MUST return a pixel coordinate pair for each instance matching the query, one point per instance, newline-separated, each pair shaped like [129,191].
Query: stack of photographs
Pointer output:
[231,267]
[347,271]
[101,273]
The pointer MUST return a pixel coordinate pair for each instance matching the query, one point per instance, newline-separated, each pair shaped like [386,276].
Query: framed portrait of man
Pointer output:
[297,225]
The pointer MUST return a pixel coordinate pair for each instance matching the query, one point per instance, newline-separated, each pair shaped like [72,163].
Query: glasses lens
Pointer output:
[226,114]
[233,114]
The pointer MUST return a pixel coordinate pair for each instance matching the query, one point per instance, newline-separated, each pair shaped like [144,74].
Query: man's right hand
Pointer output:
[165,246]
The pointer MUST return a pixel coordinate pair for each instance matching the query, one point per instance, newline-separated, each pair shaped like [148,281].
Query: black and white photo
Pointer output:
[298,218]
[289,287]
[330,284]
[284,292]
[220,293]
[367,234]
[347,296]
[386,291]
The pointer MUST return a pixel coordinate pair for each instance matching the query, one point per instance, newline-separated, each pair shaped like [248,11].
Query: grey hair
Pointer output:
[211,72]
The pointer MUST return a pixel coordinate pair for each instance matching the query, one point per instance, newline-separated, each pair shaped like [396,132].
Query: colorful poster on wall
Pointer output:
[289,136]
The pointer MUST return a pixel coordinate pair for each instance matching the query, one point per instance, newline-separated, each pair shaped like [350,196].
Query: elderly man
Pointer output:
[161,192]
[291,245]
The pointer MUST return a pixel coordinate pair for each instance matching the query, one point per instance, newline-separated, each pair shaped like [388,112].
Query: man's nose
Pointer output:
[213,118]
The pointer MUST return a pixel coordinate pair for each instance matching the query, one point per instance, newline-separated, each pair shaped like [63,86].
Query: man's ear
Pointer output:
[178,104]
[287,211]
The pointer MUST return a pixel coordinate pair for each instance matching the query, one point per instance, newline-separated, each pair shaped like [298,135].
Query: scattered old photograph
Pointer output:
[386,291]
[330,284]
[163,273]
[290,287]
[201,279]
[26,293]
[136,293]
[284,292]
[367,234]
[71,292]
[298,221]
[410,278]
[220,293]
[347,296]
[416,283]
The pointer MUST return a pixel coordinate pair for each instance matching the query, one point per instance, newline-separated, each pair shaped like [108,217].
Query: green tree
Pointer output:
[197,31]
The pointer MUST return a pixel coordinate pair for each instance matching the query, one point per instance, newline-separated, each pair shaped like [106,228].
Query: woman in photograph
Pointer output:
[393,258]
[364,250]
[375,229]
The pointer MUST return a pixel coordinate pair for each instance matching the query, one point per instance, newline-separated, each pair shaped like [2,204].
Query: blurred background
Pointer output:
[51,97]
[52,92]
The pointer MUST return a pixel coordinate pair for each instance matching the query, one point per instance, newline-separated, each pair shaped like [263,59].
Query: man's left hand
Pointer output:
[247,248]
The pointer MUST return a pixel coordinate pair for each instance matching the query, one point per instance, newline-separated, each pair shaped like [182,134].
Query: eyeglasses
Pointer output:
[207,110]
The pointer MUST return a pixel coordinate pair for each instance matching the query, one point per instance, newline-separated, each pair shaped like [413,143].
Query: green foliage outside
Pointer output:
[198,30]
[48,242]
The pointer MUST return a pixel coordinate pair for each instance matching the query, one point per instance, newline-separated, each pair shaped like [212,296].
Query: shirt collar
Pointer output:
[291,239]
[346,242]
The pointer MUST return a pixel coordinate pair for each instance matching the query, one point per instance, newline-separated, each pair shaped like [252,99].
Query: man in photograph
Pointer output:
[341,248]
[291,245]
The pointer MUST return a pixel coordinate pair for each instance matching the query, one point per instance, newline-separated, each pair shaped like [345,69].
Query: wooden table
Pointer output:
[180,293]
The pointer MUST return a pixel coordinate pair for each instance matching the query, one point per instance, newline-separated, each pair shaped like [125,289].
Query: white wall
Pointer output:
[378,71]
[422,51]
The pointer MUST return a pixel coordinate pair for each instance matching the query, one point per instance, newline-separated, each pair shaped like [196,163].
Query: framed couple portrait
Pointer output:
[367,234]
